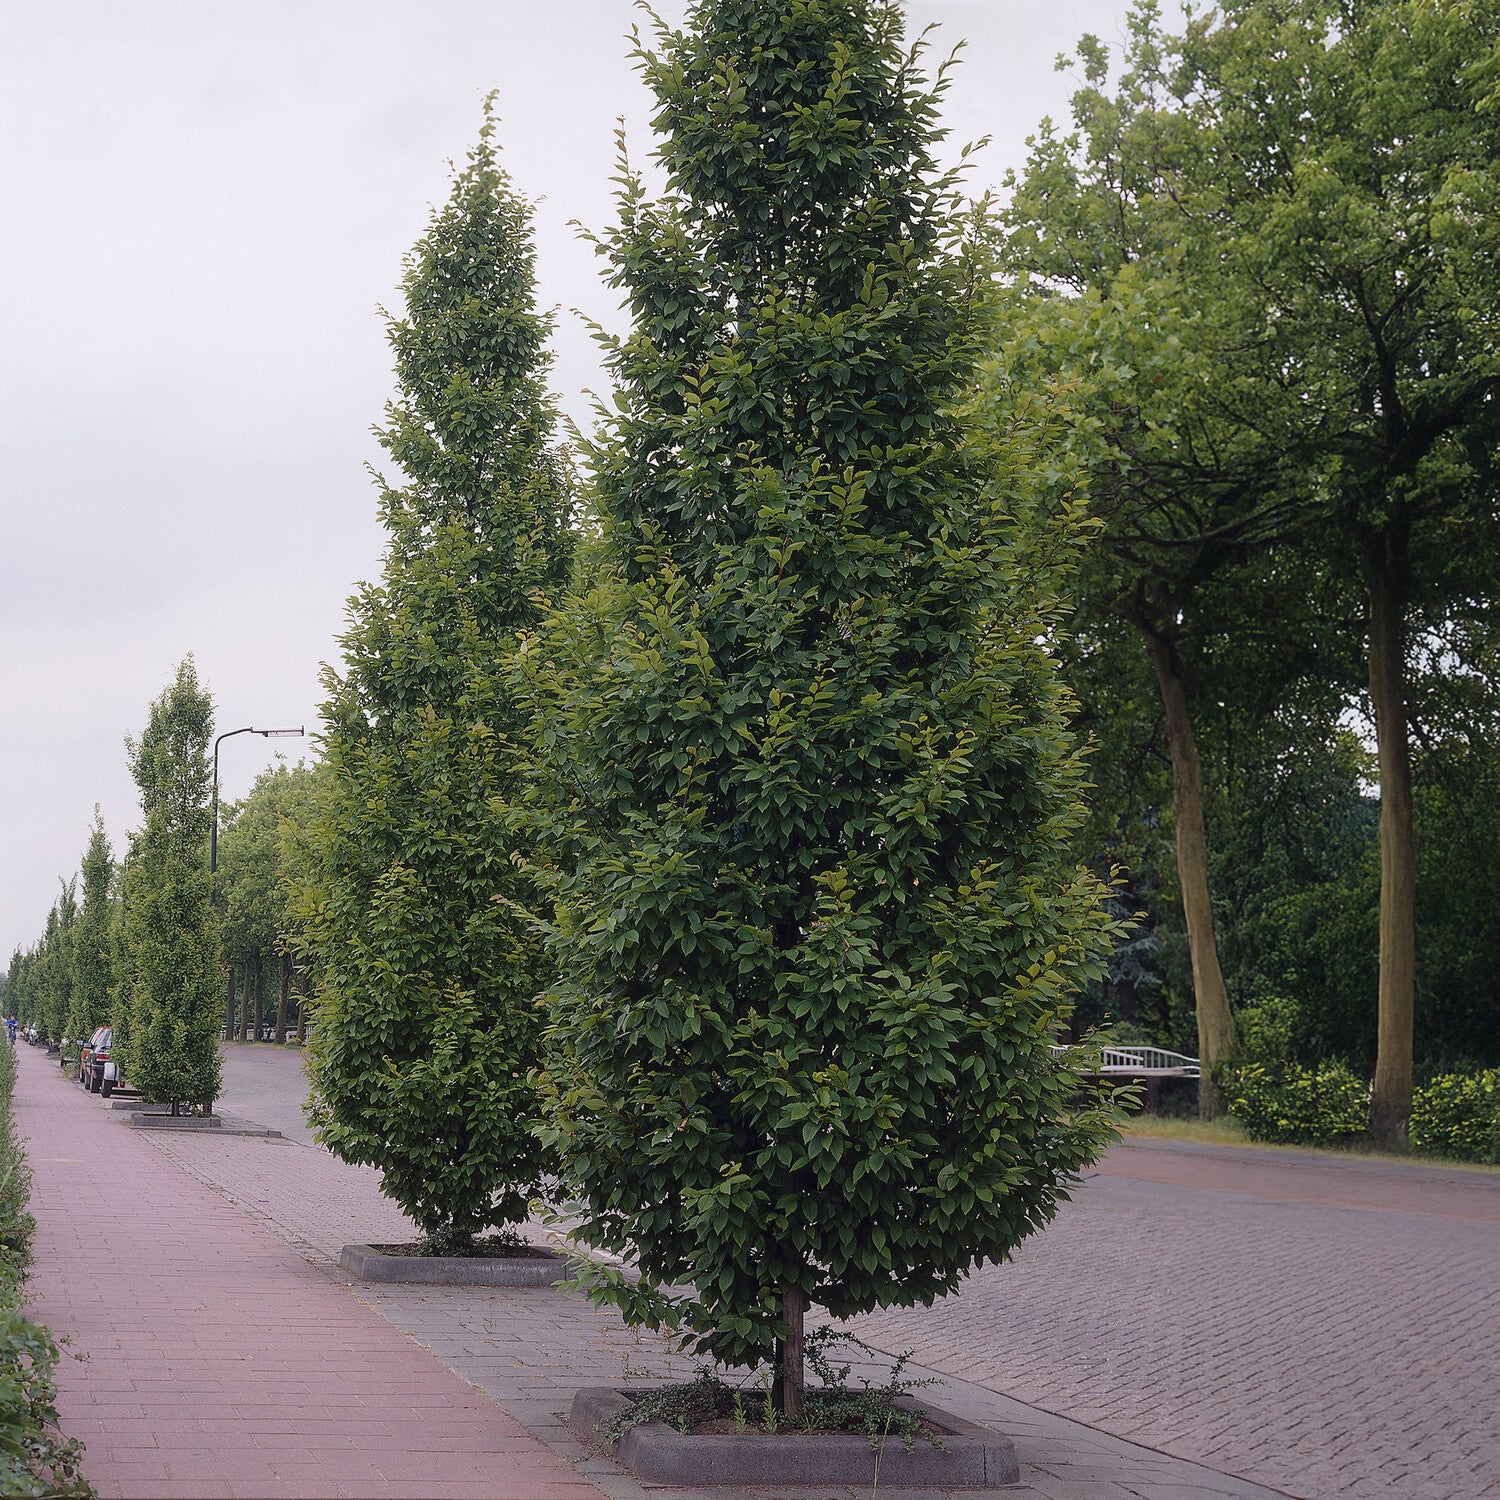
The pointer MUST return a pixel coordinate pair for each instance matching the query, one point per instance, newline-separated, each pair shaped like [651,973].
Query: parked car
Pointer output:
[85,1054]
[97,1071]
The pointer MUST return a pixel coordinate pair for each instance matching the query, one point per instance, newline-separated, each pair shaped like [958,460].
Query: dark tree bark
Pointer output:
[229,1005]
[793,1376]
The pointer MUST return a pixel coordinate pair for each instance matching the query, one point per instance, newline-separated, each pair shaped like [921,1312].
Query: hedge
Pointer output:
[1320,1106]
[35,1459]
[1458,1115]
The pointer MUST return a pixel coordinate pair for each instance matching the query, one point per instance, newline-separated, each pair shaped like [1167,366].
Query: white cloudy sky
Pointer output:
[202,205]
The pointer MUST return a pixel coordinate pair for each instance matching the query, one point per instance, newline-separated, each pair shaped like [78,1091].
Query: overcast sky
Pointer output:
[204,205]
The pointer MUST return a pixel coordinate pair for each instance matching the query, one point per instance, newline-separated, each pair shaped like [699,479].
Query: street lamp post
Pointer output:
[213,836]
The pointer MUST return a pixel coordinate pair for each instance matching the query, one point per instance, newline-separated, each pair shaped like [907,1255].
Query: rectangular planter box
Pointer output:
[144,1121]
[972,1455]
[366,1263]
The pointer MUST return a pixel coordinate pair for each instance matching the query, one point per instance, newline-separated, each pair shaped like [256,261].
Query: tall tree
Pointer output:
[1356,196]
[51,979]
[1314,180]
[817,920]
[427,967]
[1104,325]
[172,1039]
[93,965]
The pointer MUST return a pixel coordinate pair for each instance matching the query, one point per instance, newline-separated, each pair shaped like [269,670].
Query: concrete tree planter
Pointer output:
[971,1456]
[151,1120]
[372,1263]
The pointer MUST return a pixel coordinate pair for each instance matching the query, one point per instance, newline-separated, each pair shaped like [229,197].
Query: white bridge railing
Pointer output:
[1142,1062]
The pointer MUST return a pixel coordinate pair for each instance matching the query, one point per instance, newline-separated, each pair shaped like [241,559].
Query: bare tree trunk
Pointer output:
[301,1007]
[1215,1027]
[244,1024]
[793,1387]
[255,968]
[1390,1102]
[229,1006]
[281,994]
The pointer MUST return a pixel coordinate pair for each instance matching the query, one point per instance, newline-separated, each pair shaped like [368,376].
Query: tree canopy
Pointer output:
[811,788]
[415,904]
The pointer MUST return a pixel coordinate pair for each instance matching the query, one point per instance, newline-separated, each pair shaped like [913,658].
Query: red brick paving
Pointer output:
[215,1361]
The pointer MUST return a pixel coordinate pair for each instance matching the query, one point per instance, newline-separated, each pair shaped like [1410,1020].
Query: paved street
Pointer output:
[1322,1328]
[1327,1327]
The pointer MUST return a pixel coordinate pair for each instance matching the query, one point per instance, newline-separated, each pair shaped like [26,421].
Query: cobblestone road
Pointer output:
[1329,1328]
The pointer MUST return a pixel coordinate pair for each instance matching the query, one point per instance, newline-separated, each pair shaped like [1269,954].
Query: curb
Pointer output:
[366,1263]
[972,1456]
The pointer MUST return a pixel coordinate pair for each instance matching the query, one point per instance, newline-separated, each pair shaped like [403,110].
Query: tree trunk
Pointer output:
[281,995]
[244,1026]
[1215,1028]
[254,1017]
[229,1006]
[1390,1102]
[793,1312]
[301,1008]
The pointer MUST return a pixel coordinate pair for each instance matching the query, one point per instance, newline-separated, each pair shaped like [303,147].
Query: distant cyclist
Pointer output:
[10,1030]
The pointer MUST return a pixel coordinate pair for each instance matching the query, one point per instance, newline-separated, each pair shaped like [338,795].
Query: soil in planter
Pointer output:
[926,1429]
[487,1247]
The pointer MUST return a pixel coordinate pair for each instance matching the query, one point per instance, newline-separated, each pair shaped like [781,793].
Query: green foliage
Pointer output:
[252,888]
[35,1459]
[52,977]
[93,959]
[1320,1106]
[171,1045]
[410,886]
[810,785]
[1458,1115]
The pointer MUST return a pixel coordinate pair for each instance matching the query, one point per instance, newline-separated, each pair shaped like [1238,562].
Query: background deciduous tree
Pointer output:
[256,926]
[1311,186]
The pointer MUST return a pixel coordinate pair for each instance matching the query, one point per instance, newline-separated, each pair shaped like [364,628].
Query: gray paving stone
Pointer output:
[1309,1334]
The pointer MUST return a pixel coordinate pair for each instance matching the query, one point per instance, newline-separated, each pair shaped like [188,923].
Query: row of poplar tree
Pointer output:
[705,837]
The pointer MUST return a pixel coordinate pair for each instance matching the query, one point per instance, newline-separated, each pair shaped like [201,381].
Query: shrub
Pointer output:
[1458,1115]
[34,1458]
[1324,1105]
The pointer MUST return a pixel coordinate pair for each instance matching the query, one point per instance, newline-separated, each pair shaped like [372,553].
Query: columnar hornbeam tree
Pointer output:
[171,1043]
[817,922]
[428,970]
[93,966]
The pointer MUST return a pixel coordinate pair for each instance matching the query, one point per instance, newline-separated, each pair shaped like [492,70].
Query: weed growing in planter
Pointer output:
[710,1404]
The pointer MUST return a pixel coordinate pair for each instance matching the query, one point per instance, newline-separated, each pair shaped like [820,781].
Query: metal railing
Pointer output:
[1141,1062]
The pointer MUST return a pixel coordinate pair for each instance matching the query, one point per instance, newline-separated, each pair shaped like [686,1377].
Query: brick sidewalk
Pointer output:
[215,1360]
